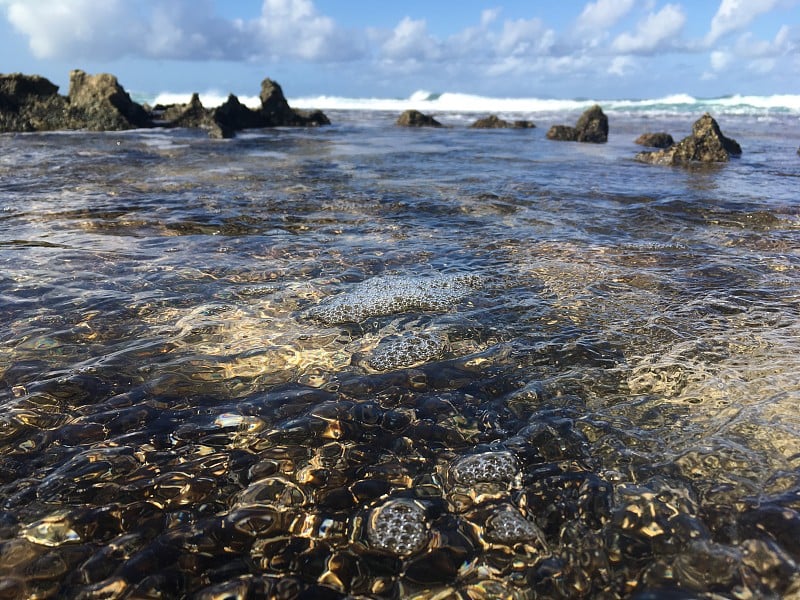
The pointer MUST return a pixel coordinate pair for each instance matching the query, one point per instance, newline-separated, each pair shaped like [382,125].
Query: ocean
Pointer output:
[365,361]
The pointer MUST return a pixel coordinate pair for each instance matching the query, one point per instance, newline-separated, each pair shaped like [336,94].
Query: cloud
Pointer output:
[602,14]
[734,15]
[178,29]
[78,28]
[410,40]
[524,37]
[653,33]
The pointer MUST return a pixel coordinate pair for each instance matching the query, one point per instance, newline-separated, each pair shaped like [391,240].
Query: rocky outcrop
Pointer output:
[276,112]
[194,114]
[655,140]
[706,144]
[414,118]
[562,133]
[592,127]
[495,122]
[30,103]
[99,103]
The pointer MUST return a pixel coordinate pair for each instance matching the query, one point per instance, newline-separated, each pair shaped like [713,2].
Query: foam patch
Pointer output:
[407,350]
[398,526]
[393,295]
[487,467]
[508,526]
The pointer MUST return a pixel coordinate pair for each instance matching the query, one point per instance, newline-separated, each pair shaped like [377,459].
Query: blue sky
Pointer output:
[601,49]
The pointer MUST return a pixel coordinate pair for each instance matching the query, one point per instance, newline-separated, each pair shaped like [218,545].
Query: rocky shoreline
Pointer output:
[30,103]
[99,103]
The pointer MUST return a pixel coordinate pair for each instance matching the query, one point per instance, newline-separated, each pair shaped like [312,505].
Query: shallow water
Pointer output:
[369,361]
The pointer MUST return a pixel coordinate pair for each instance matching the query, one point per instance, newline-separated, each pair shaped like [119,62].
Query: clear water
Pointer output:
[565,373]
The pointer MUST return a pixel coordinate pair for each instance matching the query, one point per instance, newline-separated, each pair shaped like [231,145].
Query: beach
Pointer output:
[367,361]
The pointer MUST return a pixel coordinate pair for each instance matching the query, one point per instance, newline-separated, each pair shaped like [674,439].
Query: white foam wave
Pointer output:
[454,102]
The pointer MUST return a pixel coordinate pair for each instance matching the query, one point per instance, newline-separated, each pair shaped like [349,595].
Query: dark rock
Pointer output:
[30,103]
[494,122]
[562,133]
[655,140]
[195,115]
[235,116]
[414,118]
[276,112]
[99,103]
[592,127]
[705,144]
[274,108]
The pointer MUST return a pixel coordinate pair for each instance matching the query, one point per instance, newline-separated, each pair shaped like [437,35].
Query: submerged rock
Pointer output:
[592,127]
[393,295]
[655,140]
[414,118]
[495,122]
[705,144]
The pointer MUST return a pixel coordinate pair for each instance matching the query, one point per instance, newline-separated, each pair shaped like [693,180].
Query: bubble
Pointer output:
[487,467]
[407,350]
[396,294]
[507,526]
[398,526]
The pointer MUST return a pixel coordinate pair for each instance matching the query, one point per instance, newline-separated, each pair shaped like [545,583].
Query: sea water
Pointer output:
[375,362]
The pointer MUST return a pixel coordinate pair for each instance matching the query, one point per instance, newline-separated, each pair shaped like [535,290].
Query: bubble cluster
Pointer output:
[398,526]
[407,350]
[486,467]
[508,525]
[392,295]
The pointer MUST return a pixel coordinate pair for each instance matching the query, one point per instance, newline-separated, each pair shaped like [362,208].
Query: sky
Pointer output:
[601,49]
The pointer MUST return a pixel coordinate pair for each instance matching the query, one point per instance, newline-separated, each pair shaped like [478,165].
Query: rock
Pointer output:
[195,115]
[655,140]
[592,127]
[235,116]
[30,103]
[414,118]
[562,133]
[705,144]
[494,122]
[99,103]
[276,112]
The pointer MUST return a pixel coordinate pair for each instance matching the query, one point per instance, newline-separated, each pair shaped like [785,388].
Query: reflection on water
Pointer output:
[381,363]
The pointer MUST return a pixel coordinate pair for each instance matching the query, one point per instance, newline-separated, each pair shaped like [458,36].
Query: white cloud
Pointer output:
[602,14]
[524,37]
[655,32]
[410,40]
[734,15]
[721,60]
[622,65]
[74,27]
[177,29]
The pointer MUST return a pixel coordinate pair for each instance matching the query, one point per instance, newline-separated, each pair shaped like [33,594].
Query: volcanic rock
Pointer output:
[30,103]
[414,118]
[494,122]
[705,144]
[234,115]
[592,127]
[655,140]
[562,133]
[276,112]
[99,103]
[195,115]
